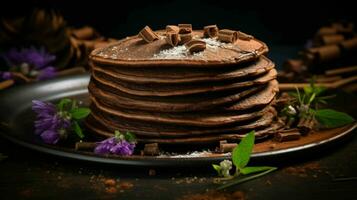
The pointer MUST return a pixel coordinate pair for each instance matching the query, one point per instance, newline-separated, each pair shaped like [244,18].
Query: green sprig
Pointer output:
[240,156]
[308,103]
[69,109]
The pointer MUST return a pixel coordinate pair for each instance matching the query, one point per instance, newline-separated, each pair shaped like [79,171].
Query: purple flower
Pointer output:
[50,136]
[5,75]
[31,62]
[105,146]
[46,73]
[123,148]
[115,146]
[37,58]
[43,108]
[48,122]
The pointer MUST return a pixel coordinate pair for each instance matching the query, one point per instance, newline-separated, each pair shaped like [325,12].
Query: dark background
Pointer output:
[285,25]
[270,21]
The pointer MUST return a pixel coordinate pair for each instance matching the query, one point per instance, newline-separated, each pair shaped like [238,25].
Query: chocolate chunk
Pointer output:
[185,28]
[172,38]
[226,35]
[210,31]
[148,35]
[195,46]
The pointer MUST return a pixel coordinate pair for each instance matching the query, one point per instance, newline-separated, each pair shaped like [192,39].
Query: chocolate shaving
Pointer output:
[227,147]
[226,35]
[173,39]
[7,83]
[151,149]
[185,28]
[185,37]
[195,46]
[210,31]
[305,125]
[89,146]
[287,135]
[244,36]
[148,35]
[172,28]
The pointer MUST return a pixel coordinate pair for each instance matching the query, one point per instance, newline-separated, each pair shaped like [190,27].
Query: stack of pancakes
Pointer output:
[166,94]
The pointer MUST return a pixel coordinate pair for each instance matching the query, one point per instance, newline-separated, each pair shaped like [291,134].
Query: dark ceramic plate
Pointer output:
[16,120]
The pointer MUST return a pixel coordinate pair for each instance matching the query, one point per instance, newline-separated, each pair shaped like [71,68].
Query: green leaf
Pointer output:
[241,153]
[130,137]
[218,169]
[251,170]
[80,113]
[117,134]
[330,118]
[298,95]
[63,103]
[245,179]
[308,90]
[77,129]
[74,104]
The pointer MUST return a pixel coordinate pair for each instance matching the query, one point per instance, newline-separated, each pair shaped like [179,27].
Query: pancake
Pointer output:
[184,89]
[180,104]
[134,52]
[184,75]
[163,130]
[214,118]
[213,138]
[260,98]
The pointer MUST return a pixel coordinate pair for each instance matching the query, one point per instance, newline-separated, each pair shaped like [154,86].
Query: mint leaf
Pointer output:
[241,153]
[330,118]
[130,137]
[79,113]
[63,103]
[218,169]
[77,129]
[250,170]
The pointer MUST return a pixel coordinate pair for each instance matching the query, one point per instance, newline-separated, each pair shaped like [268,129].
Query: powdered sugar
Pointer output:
[194,154]
[181,51]
[172,53]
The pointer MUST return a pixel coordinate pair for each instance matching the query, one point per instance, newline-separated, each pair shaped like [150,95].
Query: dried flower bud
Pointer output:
[291,110]
[226,166]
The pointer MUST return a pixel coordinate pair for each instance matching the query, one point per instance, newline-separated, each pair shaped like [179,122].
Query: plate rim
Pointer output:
[149,160]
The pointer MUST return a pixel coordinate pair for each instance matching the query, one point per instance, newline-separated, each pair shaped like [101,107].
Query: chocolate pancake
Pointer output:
[163,130]
[173,95]
[260,98]
[181,89]
[203,119]
[211,138]
[186,75]
[119,100]
[134,52]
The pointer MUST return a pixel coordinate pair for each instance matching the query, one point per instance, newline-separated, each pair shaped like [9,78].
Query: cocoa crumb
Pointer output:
[152,172]
[126,185]
[109,182]
[215,195]
[268,182]
[239,195]
[304,170]
[111,190]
